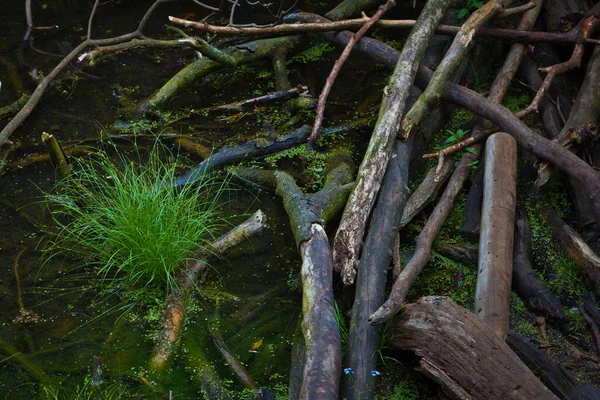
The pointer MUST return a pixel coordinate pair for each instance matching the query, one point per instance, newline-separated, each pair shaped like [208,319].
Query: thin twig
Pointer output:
[524,36]
[584,29]
[338,65]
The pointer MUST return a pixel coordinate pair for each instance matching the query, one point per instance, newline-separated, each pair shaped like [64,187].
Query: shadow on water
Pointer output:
[57,332]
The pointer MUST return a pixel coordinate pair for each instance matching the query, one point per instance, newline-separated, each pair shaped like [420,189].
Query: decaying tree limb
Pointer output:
[501,116]
[525,282]
[587,259]
[553,375]
[451,61]
[57,155]
[372,273]
[494,273]
[242,54]
[465,351]
[308,213]
[590,313]
[233,362]
[338,66]
[423,244]
[349,236]
[570,139]
[174,312]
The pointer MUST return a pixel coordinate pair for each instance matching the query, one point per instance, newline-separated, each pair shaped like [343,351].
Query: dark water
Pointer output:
[69,338]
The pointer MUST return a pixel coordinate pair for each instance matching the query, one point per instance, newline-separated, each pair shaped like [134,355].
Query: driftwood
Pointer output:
[349,236]
[492,298]
[174,312]
[466,353]
[525,282]
[307,214]
[553,375]
[587,259]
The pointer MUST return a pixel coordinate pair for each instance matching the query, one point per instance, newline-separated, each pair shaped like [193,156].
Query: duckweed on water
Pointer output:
[126,220]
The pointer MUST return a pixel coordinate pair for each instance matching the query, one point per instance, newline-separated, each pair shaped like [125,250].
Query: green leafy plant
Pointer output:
[455,136]
[125,219]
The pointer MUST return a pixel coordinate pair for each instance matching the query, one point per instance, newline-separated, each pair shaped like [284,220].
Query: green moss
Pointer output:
[516,100]
[412,386]
[521,318]
[312,54]
[444,277]
[560,272]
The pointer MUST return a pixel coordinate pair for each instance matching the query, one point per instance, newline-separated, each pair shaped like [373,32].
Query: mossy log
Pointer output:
[308,213]
[587,259]
[242,54]
[470,360]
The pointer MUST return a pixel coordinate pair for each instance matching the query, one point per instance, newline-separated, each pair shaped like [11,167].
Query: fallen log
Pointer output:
[174,311]
[553,375]
[470,360]
[444,206]
[363,339]
[308,214]
[494,274]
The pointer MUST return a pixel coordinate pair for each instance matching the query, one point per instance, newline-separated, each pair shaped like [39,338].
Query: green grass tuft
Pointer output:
[125,219]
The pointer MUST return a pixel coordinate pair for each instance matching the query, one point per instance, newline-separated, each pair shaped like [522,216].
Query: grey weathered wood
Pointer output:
[492,300]
[465,351]
[348,239]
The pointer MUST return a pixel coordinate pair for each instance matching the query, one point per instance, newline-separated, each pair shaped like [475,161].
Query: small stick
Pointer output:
[338,65]
[57,154]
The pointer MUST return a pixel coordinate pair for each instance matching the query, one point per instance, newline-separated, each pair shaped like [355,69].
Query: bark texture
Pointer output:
[465,350]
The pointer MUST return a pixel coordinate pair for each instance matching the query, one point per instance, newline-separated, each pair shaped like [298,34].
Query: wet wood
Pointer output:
[553,375]
[308,213]
[363,339]
[465,351]
[174,311]
[492,298]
